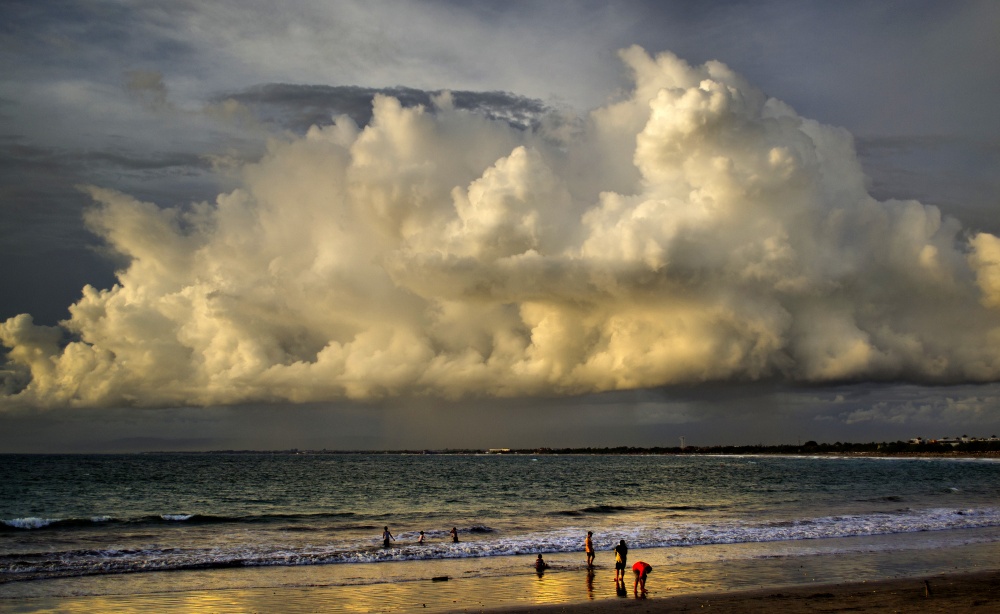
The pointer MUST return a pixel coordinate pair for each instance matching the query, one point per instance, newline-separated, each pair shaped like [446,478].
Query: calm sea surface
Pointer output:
[103,515]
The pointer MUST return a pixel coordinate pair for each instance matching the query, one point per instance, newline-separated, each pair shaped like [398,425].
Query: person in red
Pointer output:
[641,569]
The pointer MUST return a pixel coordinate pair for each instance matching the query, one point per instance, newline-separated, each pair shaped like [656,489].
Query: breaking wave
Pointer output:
[36,523]
[480,541]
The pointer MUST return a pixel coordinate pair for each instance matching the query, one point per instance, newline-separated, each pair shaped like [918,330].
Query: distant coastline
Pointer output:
[972,449]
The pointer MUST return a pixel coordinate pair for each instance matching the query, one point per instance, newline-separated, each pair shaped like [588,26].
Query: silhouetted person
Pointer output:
[386,536]
[454,535]
[588,547]
[420,539]
[621,559]
[540,565]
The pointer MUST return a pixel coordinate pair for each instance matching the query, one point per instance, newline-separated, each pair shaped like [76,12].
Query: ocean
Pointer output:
[156,515]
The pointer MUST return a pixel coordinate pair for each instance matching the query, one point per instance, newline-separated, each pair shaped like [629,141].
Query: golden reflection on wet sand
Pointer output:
[567,582]
[470,594]
[453,595]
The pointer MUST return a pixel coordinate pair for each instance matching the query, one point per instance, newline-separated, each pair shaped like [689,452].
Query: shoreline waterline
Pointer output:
[509,582]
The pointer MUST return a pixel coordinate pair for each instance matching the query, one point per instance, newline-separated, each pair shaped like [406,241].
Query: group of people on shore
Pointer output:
[640,569]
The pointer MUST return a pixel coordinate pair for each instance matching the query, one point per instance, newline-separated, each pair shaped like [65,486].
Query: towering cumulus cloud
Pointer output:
[695,231]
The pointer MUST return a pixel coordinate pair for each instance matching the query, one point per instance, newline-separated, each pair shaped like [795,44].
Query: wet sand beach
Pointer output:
[962,579]
[952,594]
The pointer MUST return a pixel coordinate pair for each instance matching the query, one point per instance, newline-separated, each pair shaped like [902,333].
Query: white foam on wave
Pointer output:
[29,523]
[720,532]
[567,539]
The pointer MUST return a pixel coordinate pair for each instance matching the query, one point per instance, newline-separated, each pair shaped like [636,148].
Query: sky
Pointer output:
[414,225]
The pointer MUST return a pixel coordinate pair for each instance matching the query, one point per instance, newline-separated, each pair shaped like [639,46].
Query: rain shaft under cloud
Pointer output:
[694,231]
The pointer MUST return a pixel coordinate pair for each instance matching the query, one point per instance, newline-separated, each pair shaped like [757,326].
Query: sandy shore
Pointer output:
[862,576]
[976,592]
[951,594]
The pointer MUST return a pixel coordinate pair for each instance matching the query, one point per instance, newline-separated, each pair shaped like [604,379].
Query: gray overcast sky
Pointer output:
[609,223]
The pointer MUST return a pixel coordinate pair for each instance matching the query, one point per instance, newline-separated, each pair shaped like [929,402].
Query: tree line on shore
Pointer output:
[892,448]
[810,447]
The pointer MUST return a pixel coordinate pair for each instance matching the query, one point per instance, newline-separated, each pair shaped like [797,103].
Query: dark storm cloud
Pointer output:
[297,107]
[40,201]
[20,159]
[111,161]
[47,256]
[736,415]
[22,166]
[67,37]
[770,414]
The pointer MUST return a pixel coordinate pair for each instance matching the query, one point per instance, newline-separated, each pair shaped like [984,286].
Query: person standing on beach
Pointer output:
[621,558]
[454,535]
[641,569]
[386,536]
[588,547]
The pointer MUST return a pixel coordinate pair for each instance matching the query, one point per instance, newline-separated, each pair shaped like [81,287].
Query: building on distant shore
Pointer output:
[953,441]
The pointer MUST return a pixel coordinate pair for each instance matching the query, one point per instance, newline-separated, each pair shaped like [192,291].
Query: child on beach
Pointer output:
[386,536]
[640,569]
[454,535]
[621,557]
[420,539]
[540,565]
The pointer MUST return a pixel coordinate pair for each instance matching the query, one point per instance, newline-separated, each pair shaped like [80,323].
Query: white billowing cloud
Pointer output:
[695,231]
[985,261]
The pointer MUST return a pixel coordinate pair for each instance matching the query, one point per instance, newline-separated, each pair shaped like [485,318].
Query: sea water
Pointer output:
[109,518]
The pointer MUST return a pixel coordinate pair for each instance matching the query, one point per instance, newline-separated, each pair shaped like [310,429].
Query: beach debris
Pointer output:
[439,579]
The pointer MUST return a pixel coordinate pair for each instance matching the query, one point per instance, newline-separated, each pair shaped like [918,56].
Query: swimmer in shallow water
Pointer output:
[540,564]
